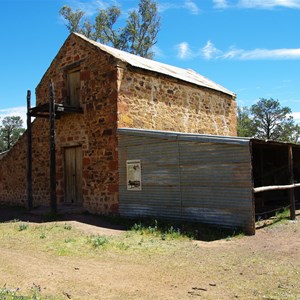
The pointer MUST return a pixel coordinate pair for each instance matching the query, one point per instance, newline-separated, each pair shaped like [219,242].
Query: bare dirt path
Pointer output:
[264,266]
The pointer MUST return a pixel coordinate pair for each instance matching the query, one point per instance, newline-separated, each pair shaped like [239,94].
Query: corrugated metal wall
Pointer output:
[188,177]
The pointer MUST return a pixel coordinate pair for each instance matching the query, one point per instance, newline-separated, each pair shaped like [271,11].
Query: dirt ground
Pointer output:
[264,266]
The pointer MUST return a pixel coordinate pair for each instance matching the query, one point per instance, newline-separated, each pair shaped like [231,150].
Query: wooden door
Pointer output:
[73,175]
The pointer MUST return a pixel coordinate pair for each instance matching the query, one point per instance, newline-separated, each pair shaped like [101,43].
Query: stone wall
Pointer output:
[94,131]
[152,101]
[112,95]
[13,174]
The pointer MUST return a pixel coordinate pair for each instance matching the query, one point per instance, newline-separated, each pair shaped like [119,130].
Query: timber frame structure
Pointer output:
[52,111]
[220,180]
[276,174]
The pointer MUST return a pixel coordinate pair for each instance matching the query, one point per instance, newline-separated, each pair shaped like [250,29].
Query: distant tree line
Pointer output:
[267,119]
[11,129]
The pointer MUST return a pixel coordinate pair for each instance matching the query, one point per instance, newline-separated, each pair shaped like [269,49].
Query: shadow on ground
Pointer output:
[197,231]
[42,215]
[194,231]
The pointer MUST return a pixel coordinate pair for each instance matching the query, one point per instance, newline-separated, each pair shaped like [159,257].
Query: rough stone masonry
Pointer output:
[113,94]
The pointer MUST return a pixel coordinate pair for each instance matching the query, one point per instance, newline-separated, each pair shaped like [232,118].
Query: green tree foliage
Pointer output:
[138,36]
[267,119]
[244,124]
[73,17]
[10,131]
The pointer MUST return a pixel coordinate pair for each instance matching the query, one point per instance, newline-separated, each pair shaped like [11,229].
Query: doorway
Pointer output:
[73,175]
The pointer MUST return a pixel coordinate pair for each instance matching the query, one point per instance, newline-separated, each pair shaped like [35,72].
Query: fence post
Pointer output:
[52,150]
[292,190]
[29,153]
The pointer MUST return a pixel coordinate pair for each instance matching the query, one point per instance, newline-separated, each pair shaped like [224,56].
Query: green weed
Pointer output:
[42,235]
[67,227]
[162,230]
[15,294]
[283,214]
[23,226]
[69,240]
[97,240]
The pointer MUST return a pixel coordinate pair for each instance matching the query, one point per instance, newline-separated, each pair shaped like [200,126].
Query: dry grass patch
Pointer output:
[69,260]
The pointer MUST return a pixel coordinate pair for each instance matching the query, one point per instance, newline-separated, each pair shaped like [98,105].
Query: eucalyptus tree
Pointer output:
[267,119]
[11,129]
[138,36]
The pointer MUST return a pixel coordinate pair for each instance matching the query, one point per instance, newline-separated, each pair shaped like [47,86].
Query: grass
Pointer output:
[23,226]
[143,235]
[16,294]
[168,245]
[62,239]
[283,214]
[173,230]
[97,240]
[280,216]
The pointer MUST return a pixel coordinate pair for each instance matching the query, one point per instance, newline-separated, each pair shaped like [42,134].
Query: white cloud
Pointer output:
[188,4]
[257,4]
[268,3]
[296,116]
[184,51]
[158,52]
[220,4]
[209,50]
[257,54]
[90,8]
[15,111]
[162,7]
[192,7]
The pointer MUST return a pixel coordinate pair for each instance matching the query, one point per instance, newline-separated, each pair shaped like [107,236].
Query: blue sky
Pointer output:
[251,47]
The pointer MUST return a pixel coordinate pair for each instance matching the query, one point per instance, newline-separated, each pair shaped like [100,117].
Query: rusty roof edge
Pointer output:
[201,137]
[186,75]
[173,135]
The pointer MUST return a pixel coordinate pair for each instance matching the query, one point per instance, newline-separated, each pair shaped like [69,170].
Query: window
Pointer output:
[73,79]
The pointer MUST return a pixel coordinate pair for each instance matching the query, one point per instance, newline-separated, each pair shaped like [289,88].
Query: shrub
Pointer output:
[97,241]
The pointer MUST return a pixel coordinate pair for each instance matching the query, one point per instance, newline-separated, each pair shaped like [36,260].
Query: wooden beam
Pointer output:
[52,150]
[275,187]
[291,179]
[29,154]
[42,111]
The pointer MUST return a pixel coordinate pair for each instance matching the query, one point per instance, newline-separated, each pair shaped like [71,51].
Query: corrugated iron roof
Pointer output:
[187,75]
[197,137]
[208,138]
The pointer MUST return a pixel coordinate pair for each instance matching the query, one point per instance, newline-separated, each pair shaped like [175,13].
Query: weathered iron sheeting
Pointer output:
[160,195]
[216,183]
[191,177]
[173,135]
[186,75]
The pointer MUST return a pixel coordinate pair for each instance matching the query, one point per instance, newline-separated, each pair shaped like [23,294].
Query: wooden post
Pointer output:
[29,153]
[292,190]
[52,150]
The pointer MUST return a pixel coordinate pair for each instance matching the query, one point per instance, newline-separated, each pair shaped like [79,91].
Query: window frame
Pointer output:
[73,86]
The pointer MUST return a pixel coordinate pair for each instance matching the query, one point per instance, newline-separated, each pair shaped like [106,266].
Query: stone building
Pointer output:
[114,89]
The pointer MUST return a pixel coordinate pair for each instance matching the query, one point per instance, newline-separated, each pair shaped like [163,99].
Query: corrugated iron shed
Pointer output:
[186,75]
[192,177]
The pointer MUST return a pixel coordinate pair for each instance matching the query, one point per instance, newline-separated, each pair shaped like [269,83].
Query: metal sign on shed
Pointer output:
[134,178]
